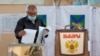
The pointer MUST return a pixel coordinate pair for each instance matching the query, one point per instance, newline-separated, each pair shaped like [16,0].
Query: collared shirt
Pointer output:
[25,23]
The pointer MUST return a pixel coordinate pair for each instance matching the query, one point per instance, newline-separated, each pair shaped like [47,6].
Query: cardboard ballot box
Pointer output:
[71,43]
[26,50]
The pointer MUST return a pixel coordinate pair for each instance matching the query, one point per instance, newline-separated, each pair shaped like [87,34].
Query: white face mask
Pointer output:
[32,18]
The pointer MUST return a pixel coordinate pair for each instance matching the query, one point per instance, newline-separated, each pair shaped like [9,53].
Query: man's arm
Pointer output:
[19,30]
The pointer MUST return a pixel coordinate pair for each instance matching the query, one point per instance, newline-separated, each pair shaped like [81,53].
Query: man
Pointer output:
[28,22]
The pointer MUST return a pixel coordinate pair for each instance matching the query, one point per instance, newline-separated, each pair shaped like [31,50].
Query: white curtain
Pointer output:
[51,21]
[96,32]
[64,12]
[63,17]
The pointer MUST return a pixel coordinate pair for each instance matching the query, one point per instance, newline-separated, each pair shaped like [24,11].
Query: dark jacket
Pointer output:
[25,23]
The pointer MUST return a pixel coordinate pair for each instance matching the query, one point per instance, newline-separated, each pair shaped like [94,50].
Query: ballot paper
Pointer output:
[42,33]
[29,36]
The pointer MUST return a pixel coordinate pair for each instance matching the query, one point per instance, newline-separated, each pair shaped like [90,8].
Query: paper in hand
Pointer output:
[42,32]
[29,36]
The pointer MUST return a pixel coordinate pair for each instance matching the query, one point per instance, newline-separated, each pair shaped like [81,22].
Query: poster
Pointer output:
[79,20]
[72,43]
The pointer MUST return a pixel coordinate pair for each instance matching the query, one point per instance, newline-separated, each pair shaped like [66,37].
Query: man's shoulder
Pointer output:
[23,19]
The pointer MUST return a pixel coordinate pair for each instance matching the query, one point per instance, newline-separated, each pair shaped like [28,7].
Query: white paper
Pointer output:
[40,35]
[29,36]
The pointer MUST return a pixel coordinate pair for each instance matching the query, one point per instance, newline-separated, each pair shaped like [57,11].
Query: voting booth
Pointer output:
[71,43]
[26,50]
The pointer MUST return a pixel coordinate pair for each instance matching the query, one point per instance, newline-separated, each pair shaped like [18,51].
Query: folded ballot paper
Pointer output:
[29,37]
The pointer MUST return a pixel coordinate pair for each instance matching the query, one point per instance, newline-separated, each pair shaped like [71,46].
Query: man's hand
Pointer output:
[21,33]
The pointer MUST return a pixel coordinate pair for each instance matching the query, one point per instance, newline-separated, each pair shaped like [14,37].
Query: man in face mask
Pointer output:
[28,22]
[32,12]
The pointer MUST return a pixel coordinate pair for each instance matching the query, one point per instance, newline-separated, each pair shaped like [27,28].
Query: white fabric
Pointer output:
[63,17]
[96,32]
[51,21]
